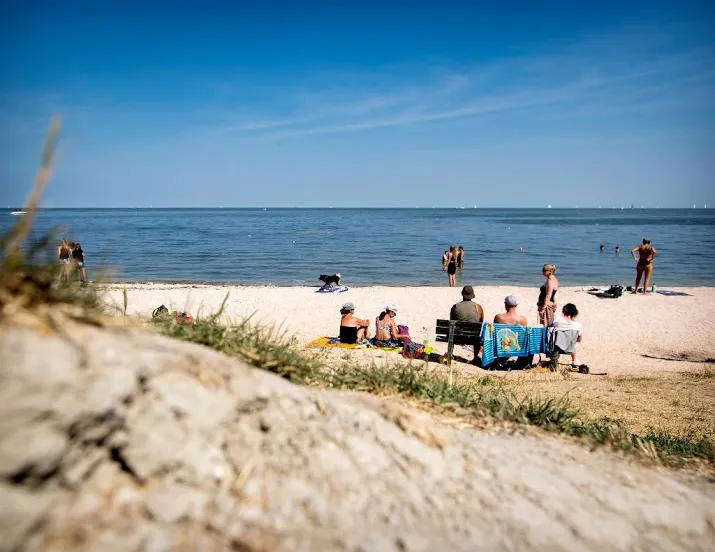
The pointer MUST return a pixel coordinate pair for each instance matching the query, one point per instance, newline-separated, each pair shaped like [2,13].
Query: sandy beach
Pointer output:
[624,336]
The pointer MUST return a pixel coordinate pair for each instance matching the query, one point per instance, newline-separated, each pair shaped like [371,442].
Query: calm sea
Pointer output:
[387,246]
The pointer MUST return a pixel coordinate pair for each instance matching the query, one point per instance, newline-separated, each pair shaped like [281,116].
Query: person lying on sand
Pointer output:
[352,328]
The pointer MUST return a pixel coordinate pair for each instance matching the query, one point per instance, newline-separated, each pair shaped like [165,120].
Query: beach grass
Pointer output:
[472,398]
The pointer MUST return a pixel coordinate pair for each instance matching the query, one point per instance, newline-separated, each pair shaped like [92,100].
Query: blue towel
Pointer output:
[537,340]
[506,340]
[511,340]
[489,349]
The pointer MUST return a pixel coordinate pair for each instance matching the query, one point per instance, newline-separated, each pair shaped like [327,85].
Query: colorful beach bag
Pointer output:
[413,350]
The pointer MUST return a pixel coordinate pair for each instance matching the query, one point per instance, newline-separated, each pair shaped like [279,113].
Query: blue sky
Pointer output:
[361,103]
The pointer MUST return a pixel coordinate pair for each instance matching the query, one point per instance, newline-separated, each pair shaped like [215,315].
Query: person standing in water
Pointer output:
[460,257]
[78,258]
[644,263]
[452,265]
[64,254]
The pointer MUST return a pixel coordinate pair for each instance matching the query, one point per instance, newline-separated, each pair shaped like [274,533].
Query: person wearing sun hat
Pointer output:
[352,328]
[467,310]
[510,316]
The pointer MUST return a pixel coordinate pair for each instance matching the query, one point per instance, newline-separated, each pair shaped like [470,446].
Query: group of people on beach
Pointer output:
[70,257]
[389,334]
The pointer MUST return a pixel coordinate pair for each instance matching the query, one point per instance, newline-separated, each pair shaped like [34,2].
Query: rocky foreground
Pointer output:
[113,439]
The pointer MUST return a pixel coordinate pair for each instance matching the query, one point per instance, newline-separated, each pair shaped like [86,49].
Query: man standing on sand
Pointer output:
[510,316]
[467,310]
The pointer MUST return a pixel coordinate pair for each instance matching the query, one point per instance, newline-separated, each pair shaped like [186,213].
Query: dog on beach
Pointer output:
[330,279]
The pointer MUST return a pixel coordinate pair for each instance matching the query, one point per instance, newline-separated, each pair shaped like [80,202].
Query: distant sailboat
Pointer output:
[549,206]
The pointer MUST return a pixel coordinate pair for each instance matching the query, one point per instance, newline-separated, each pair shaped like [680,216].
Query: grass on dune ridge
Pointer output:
[476,397]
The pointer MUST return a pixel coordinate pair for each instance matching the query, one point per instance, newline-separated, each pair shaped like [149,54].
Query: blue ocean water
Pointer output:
[387,246]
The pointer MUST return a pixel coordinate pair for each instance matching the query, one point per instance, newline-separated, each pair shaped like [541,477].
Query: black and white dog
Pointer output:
[330,279]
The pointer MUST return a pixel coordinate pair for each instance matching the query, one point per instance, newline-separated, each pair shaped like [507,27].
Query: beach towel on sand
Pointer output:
[331,289]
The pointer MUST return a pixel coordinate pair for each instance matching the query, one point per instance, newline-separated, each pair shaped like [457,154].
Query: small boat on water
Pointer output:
[18,213]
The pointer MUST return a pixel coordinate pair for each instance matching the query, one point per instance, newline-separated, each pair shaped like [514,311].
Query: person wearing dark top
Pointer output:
[452,265]
[78,258]
[467,310]
[547,295]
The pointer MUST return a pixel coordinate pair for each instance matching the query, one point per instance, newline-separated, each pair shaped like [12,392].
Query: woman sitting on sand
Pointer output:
[352,329]
[646,253]
[386,333]
[547,295]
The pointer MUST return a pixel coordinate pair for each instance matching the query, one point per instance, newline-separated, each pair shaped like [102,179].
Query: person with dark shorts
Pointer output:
[460,257]
[78,259]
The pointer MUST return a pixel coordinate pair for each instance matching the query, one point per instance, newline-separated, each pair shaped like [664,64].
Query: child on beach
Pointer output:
[567,321]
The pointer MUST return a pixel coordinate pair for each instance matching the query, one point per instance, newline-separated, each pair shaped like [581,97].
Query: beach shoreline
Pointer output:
[633,334]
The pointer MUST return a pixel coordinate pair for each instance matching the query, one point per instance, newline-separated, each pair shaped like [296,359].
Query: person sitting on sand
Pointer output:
[510,316]
[467,310]
[644,267]
[352,328]
[386,332]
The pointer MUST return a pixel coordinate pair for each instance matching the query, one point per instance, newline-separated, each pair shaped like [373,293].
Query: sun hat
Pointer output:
[392,308]
[468,292]
[348,306]
[511,300]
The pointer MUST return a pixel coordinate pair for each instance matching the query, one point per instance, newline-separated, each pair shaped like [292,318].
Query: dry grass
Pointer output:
[678,403]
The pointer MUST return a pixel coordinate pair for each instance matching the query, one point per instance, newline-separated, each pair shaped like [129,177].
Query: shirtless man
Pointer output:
[510,316]
[644,266]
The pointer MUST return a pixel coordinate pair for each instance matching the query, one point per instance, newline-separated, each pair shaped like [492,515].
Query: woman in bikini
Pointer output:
[452,265]
[547,295]
[386,333]
[644,267]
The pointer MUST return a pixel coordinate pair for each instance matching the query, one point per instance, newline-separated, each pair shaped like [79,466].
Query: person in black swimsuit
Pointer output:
[547,295]
[452,265]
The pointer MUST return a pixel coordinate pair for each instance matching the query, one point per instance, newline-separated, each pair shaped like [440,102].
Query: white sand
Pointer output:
[620,335]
